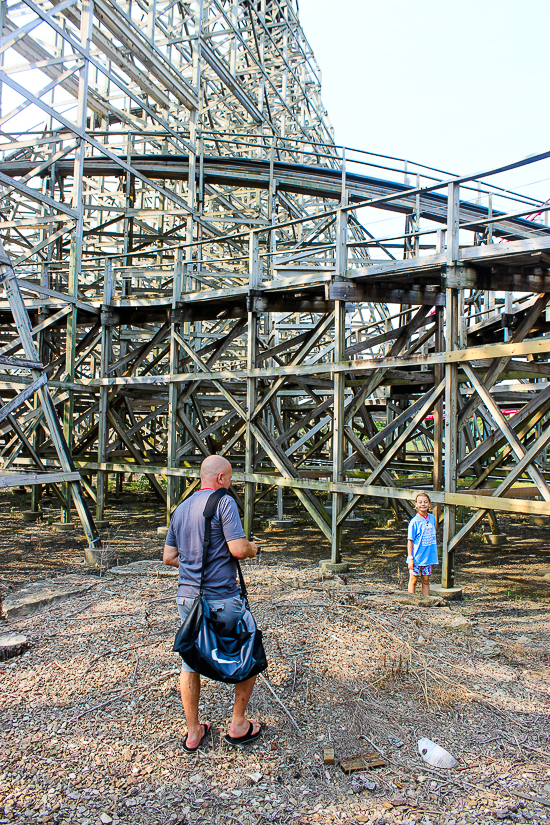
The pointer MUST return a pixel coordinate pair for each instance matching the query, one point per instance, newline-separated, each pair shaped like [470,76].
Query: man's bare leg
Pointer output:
[239,722]
[190,689]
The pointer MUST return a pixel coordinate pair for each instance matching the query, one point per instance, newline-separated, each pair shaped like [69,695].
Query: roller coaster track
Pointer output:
[304,179]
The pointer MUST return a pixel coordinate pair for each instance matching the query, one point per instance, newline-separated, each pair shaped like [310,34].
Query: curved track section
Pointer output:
[302,179]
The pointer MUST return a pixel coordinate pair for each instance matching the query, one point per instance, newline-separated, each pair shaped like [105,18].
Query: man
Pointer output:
[183,549]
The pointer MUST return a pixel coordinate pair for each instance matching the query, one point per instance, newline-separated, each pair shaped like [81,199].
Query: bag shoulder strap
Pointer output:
[209,511]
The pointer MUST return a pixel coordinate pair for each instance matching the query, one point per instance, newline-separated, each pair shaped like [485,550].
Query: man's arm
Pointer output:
[170,556]
[241,548]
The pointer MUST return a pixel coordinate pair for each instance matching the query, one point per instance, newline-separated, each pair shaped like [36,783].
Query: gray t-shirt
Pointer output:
[186,532]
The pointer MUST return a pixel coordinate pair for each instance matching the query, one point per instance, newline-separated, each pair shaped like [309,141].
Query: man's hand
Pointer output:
[170,556]
[242,548]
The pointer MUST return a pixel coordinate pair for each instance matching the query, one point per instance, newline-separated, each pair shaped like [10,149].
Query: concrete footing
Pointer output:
[162,532]
[333,567]
[539,521]
[102,523]
[92,556]
[35,595]
[31,515]
[449,593]
[63,527]
[281,523]
[101,557]
[145,568]
[495,539]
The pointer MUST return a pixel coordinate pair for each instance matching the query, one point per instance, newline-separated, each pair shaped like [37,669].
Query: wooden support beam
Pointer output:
[527,416]
[21,319]
[524,462]
[338,430]
[118,425]
[504,427]
[453,310]
[23,396]
[387,294]
[497,367]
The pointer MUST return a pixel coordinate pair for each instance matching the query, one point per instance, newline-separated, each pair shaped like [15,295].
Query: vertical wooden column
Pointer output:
[251,348]
[75,259]
[438,413]
[70,360]
[339,378]
[451,437]
[38,434]
[338,429]
[172,486]
[105,359]
[271,209]
[452,310]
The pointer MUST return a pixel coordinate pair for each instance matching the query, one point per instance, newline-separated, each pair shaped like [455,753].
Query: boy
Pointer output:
[421,544]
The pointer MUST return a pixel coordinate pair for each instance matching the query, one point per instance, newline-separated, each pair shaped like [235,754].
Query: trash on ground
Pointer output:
[360,784]
[435,755]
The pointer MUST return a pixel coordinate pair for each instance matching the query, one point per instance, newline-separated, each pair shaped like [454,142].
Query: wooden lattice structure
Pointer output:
[203,270]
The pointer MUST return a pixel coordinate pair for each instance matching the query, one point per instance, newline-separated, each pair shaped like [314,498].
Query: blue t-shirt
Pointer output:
[186,532]
[422,534]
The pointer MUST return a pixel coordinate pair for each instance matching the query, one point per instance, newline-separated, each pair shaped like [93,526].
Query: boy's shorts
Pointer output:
[228,610]
[423,570]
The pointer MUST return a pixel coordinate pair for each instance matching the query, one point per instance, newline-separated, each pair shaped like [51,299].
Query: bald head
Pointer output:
[215,472]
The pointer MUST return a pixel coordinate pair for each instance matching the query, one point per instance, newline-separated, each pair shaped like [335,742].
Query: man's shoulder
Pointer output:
[228,505]
[191,502]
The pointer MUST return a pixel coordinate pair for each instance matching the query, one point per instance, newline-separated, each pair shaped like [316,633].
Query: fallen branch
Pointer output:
[80,609]
[284,707]
[112,652]
[538,799]
[160,678]
[162,744]
[233,818]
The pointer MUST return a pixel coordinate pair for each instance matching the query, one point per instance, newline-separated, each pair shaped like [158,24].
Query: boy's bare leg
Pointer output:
[425,585]
[412,582]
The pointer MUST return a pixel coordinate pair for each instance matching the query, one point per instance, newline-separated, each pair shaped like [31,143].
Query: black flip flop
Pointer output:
[247,737]
[207,728]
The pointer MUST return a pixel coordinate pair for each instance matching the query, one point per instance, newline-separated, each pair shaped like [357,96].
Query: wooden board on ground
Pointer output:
[362,762]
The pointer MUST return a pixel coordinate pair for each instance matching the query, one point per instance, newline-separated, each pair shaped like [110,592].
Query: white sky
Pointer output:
[455,84]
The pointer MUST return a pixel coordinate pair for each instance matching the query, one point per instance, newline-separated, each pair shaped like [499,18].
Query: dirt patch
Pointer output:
[91,720]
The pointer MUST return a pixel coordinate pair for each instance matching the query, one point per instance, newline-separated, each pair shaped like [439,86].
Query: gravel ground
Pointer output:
[92,726]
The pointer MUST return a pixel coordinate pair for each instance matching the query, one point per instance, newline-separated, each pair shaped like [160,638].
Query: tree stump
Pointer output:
[12,644]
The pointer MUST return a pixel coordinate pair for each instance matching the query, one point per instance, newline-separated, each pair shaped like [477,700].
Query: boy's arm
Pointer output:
[410,554]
